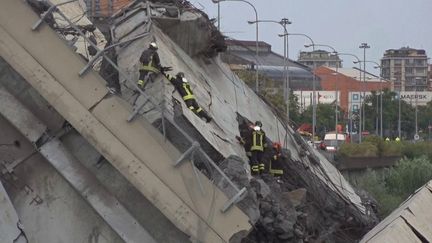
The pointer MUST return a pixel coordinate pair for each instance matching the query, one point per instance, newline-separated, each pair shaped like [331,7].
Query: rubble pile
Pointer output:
[285,211]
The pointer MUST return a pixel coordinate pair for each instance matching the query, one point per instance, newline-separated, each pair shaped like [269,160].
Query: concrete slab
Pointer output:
[9,220]
[54,83]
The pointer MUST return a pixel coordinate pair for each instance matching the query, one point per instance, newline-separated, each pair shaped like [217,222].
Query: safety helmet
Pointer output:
[277,145]
[184,80]
[258,123]
[257,128]
[180,75]
[153,45]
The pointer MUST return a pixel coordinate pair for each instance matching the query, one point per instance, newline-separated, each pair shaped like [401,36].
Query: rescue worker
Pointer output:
[387,139]
[150,65]
[182,86]
[258,143]
[245,129]
[397,139]
[276,161]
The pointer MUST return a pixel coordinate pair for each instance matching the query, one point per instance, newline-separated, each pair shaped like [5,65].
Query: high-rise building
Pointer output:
[319,58]
[430,77]
[406,68]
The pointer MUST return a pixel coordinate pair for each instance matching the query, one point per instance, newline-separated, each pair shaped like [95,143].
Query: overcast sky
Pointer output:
[343,24]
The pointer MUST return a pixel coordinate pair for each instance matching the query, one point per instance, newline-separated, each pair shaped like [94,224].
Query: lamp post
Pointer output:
[399,115]
[380,124]
[283,22]
[256,35]
[313,85]
[360,74]
[416,136]
[364,46]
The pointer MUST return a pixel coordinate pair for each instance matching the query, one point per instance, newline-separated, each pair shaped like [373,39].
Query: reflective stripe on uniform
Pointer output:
[255,168]
[191,108]
[140,82]
[199,109]
[257,146]
[149,68]
[261,166]
[188,92]
[276,172]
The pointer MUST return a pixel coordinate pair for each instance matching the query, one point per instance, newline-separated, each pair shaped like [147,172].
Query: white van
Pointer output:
[331,143]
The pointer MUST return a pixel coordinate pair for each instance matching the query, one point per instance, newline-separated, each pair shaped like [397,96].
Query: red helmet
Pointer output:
[277,145]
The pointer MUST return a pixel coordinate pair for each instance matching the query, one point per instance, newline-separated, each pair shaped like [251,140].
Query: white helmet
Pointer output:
[184,80]
[257,128]
[153,45]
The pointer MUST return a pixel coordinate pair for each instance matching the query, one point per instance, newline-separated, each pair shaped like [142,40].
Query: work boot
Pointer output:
[204,114]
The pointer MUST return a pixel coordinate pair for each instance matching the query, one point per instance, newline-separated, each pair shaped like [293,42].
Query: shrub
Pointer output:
[393,186]
[408,175]
[413,150]
[364,149]
[392,148]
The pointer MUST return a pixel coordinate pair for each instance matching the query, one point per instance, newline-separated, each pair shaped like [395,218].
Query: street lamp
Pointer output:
[256,32]
[313,85]
[416,136]
[283,22]
[360,75]
[380,109]
[364,46]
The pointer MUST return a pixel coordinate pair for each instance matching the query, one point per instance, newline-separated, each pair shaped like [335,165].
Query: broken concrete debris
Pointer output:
[299,206]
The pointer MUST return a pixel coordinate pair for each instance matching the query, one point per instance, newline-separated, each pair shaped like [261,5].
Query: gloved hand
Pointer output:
[164,69]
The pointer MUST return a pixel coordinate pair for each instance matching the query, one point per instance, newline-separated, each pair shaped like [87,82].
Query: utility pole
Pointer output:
[256,35]
[363,46]
[399,115]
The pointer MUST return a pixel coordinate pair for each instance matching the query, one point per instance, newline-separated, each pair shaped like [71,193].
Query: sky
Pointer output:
[342,24]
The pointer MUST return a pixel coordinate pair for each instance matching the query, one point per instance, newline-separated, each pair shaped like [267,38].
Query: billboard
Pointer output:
[323,97]
[410,97]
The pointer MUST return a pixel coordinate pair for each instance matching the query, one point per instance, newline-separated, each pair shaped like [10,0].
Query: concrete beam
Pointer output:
[106,205]
[9,221]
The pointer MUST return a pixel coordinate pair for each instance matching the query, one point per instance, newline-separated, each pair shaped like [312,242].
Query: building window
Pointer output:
[355,97]
[355,107]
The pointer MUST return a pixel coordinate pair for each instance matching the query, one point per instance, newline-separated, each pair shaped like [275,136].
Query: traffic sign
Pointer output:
[416,137]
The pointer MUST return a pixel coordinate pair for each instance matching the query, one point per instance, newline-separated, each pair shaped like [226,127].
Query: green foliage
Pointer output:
[393,186]
[408,175]
[392,148]
[374,183]
[414,150]
[364,149]
[374,146]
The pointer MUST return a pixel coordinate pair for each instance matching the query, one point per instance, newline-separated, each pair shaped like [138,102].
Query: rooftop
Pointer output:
[355,74]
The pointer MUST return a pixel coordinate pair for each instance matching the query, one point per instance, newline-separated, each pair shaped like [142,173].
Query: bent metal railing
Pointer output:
[195,146]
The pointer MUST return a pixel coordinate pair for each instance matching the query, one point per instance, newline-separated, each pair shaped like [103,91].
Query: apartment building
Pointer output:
[406,68]
[319,58]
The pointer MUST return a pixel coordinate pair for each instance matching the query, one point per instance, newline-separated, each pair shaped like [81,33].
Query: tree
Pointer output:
[425,118]
[325,118]
[390,114]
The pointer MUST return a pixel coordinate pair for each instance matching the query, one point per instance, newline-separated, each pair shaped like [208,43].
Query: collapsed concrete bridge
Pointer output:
[138,183]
